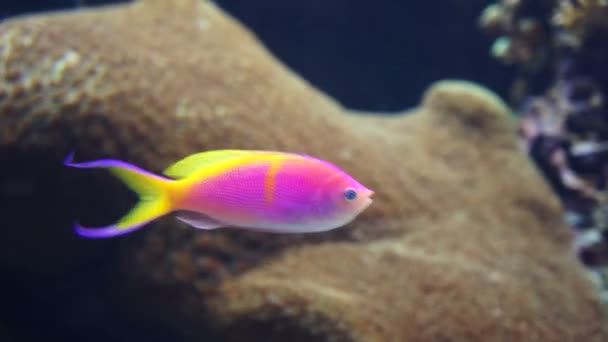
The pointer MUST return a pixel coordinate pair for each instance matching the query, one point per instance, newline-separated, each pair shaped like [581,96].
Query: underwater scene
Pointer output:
[339,170]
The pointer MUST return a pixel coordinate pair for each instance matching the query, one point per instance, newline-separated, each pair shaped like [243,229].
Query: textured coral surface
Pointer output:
[464,240]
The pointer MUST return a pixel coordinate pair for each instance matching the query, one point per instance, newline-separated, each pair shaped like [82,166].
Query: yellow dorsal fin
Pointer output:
[197,161]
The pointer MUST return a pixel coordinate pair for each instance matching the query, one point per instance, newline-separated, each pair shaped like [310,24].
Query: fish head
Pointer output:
[344,198]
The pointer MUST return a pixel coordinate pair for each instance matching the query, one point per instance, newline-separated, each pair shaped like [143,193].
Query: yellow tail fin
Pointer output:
[153,192]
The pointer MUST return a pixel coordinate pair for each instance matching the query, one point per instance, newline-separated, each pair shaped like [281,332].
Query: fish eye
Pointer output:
[350,194]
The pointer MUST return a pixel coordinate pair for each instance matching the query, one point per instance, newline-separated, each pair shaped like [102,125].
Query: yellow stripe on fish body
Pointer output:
[224,161]
[209,164]
[193,163]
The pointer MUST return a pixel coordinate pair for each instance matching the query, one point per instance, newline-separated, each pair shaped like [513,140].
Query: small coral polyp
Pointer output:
[582,16]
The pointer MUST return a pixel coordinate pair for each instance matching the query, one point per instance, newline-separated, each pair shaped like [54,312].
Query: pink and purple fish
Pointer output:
[256,190]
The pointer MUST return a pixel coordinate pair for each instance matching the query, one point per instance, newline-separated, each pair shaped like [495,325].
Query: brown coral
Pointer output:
[464,241]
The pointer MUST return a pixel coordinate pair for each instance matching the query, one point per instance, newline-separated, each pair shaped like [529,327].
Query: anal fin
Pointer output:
[198,220]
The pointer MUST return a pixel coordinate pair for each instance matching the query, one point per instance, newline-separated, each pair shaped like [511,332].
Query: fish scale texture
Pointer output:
[463,242]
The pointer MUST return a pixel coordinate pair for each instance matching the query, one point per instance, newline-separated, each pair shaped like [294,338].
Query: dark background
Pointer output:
[370,55]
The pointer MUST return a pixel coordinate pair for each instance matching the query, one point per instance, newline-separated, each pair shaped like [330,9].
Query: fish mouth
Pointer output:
[368,199]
